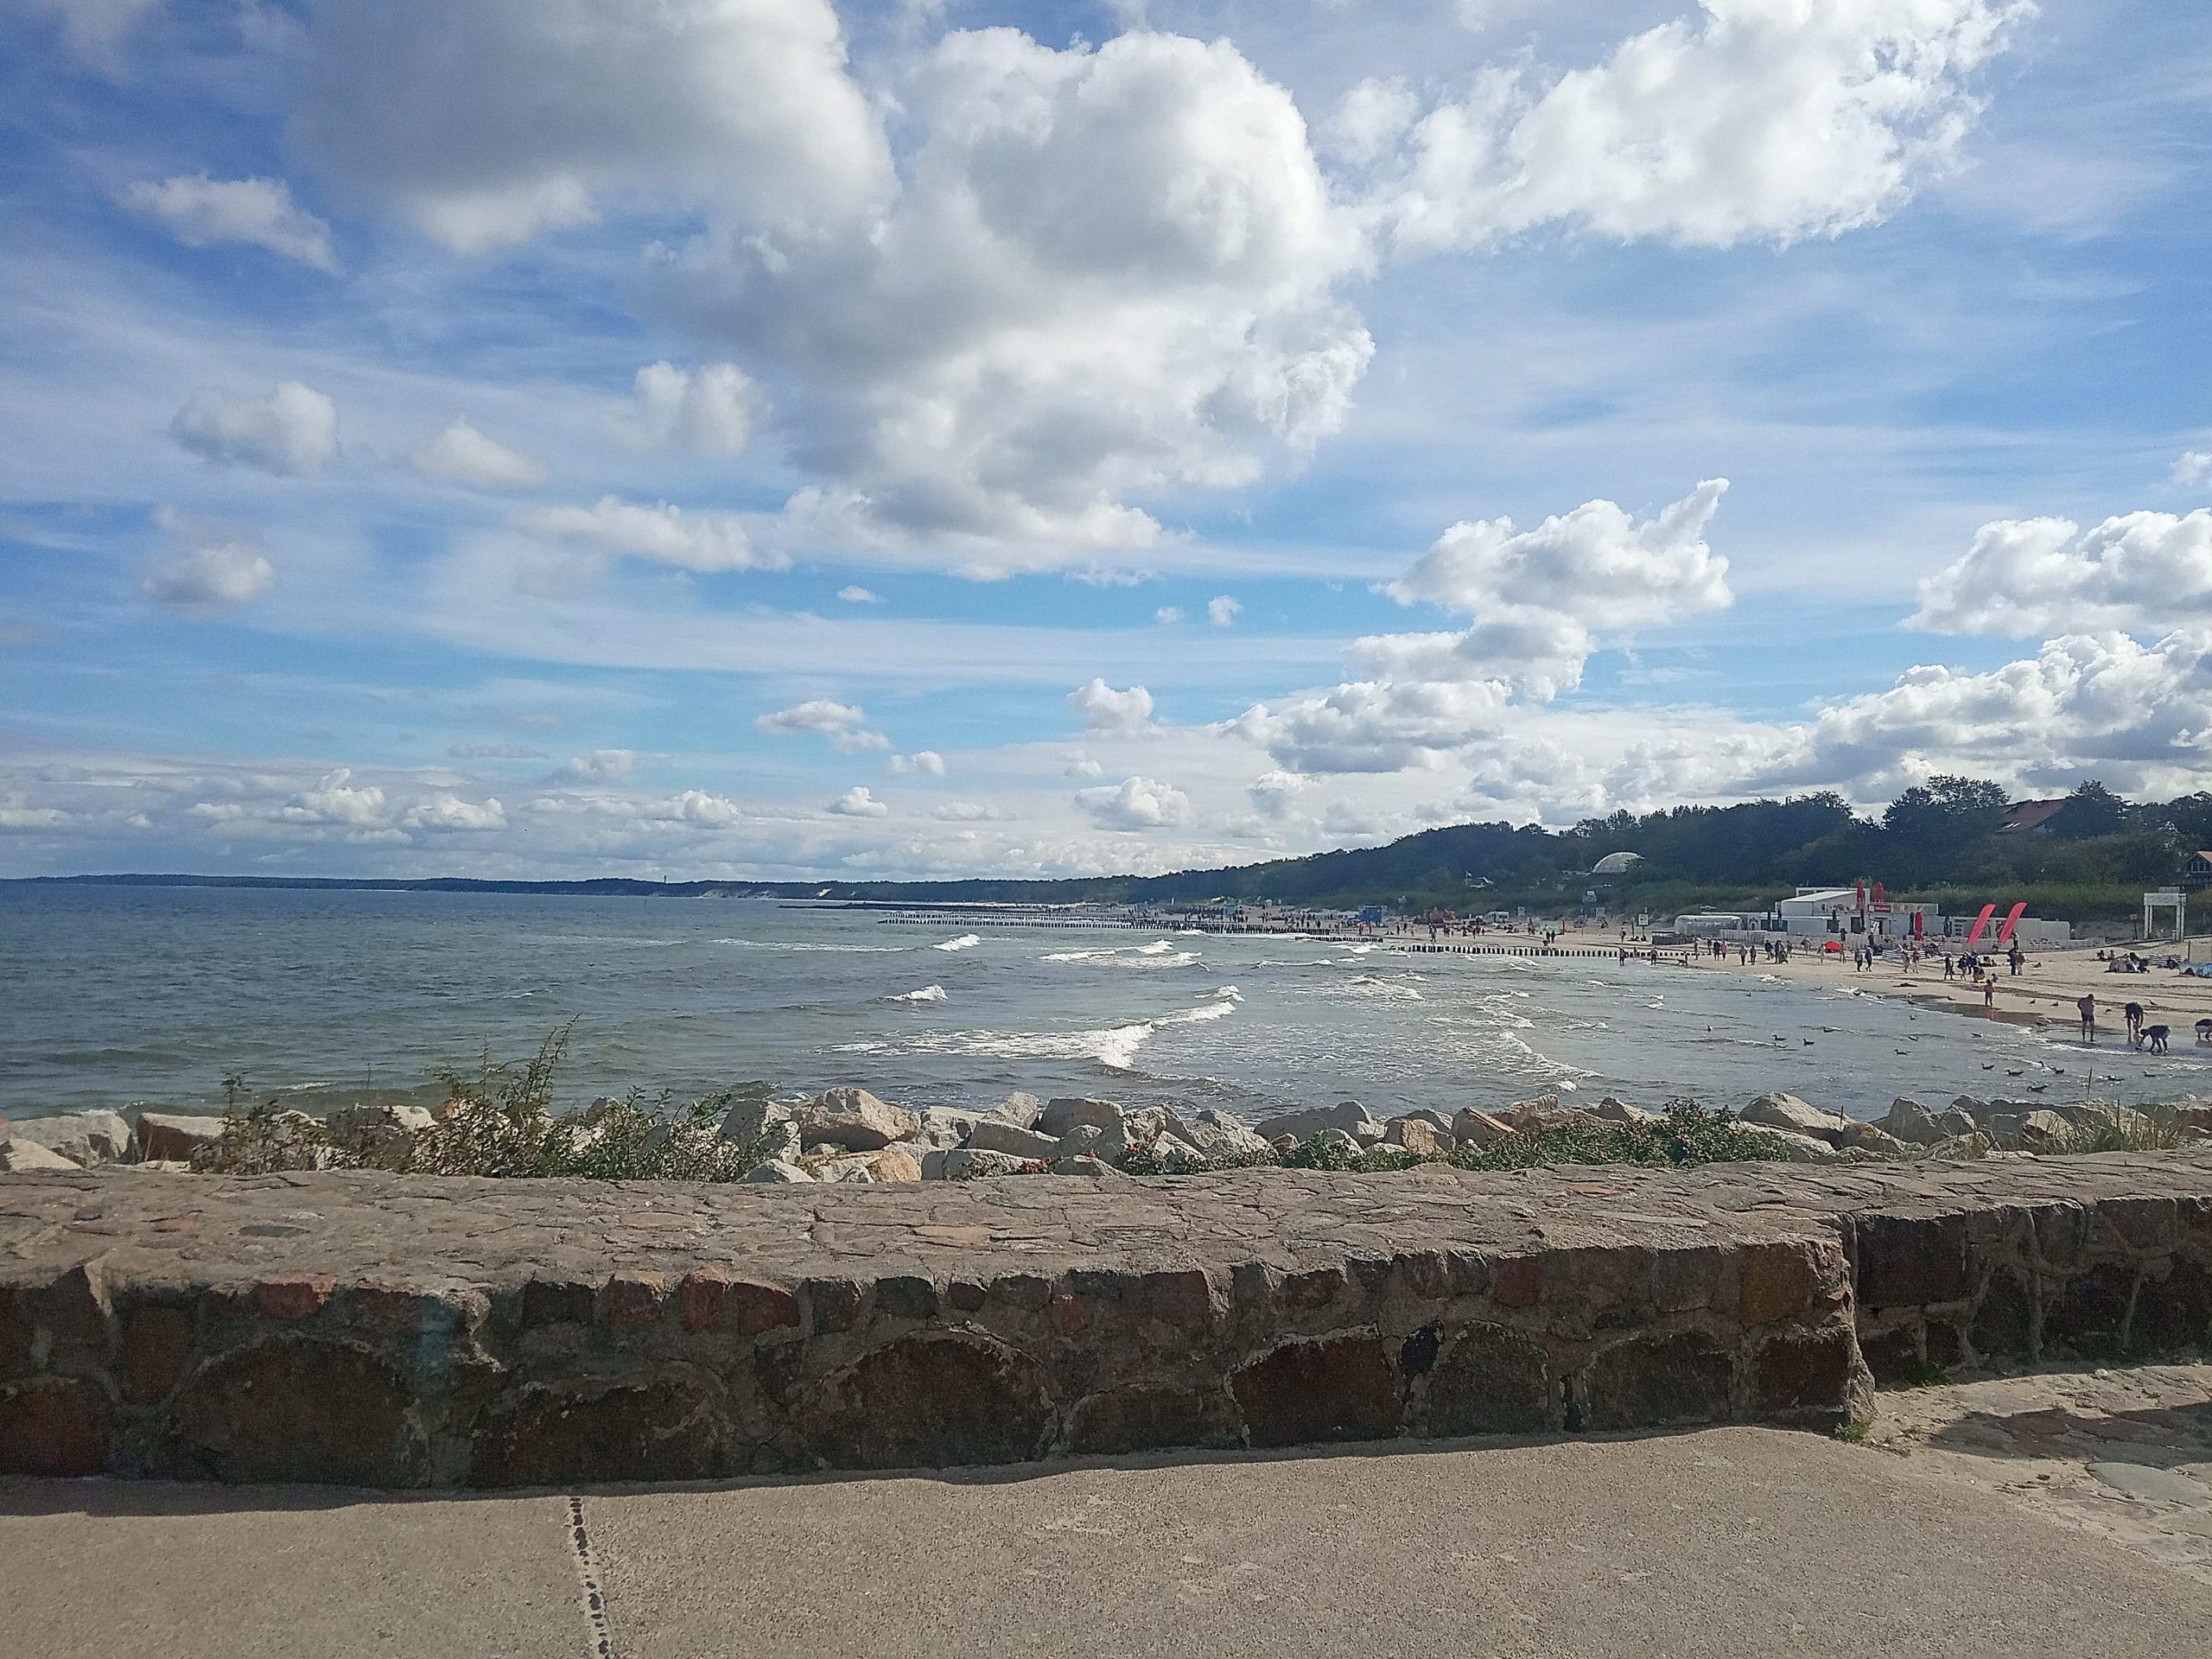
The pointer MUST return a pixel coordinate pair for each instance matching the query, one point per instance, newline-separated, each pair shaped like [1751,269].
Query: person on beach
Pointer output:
[2132,1013]
[2087,1007]
[1950,969]
[1989,992]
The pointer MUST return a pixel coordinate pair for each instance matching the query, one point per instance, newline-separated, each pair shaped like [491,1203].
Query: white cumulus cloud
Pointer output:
[857,803]
[844,725]
[200,212]
[1223,611]
[2142,572]
[709,409]
[220,566]
[1111,712]
[1135,804]
[291,431]
[461,454]
[704,542]
[926,762]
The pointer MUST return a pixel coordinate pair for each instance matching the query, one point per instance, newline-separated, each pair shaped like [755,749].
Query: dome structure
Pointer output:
[1617,863]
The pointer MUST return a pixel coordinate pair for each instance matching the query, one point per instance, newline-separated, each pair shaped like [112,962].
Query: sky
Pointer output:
[763,438]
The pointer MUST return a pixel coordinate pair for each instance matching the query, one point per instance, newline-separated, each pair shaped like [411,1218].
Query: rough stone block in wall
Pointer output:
[387,1330]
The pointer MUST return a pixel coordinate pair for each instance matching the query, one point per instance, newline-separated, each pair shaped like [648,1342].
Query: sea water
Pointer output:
[112,995]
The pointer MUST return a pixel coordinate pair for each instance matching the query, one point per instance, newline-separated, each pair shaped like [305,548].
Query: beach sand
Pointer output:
[2043,993]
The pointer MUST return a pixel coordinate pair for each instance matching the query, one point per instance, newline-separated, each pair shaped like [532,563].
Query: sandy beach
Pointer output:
[2044,992]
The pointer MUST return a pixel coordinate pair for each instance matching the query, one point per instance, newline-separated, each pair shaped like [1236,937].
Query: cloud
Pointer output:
[927,762]
[857,803]
[1222,610]
[857,595]
[842,723]
[450,814]
[221,566]
[291,432]
[461,454]
[200,212]
[2192,468]
[599,766]
[494,752]
[1759,120]
[971,812]
[704,542]
[485,125]
[1135,804]
[96,30]
[2143,572]
[710,409]
[1273,792]
[1168,615]
[1107,271]
[1111,712]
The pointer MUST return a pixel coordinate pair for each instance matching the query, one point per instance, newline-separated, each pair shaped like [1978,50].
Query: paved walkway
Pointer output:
[1728,1541]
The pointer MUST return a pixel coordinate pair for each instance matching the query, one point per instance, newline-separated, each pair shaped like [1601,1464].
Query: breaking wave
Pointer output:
[1159,954]
[965,941]
[927,993]
[1113,1047]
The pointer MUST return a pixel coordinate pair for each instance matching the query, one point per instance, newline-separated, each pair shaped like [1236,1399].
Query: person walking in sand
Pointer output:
[2087,1007]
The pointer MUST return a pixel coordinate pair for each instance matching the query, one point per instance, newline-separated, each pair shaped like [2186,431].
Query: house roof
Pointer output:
[2022,816]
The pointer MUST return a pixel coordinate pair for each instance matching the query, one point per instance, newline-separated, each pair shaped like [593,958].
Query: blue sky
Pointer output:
[740,437]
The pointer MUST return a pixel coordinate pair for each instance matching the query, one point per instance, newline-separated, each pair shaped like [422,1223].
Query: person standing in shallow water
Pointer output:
[2132,1013]
[2087,1006]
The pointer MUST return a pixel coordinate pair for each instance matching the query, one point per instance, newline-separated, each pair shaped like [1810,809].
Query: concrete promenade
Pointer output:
[1715,1543]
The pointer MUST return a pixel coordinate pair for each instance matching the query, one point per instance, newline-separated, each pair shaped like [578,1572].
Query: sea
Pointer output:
[118,996]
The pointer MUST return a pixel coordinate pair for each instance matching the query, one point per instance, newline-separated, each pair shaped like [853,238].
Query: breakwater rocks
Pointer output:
[399,1331]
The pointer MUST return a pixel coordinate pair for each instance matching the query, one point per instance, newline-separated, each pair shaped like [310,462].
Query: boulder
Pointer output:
[1283,1143]
[776,1172]
[1340,1139]
[1097,1168]
[84,1138]
[1969,1105]
[21,1157]
[1416,1134]
[171,1135]
[855,1120]
[1953,1121]
[1796,1116]
[1083,1140]
[753,1121]
[382,1136]
[993,1134]
[1962,1147]
[1548,1116]
[2043,1130]
[1067,1113]
[1614,1109]
[1472,1128]
[968,1164]
[1787,1146]
[1019,1109]
[888,1165]
[1912,1123]
[1218,1135]
[1872,1138]
[1428,1115]
[1348,1115]
[945,1128]
[2102,1118]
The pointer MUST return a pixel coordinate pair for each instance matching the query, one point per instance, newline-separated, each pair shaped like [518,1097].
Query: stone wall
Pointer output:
[393,1331]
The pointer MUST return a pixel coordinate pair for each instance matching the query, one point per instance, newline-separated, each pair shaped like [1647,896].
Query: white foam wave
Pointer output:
[1113,1047]
[815,944]
[927,993]
[965,941]
[1158,955]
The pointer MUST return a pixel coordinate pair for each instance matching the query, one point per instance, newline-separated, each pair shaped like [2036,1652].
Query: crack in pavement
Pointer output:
[599,1634]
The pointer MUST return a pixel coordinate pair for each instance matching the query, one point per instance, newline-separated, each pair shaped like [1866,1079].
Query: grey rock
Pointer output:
[1962,1148]
[1019,1109]
[1083,1140]
[991,1134]
[1471,1127]
[1792,1147]
[750,1121]
[1613,1109]
[1417,1134]
[778,1171]
[1796,1116]
[21,1157]
[1097,1168]
[1913,1123]
[1434,1119]
[84,1138]
[1076,1112]
[2147,1485]
[945,1128]
[171,1135]
[2043,1131]
[1872,1138]
[383,1136]
[855,1120]
[1218,1135]
[1348,1115]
